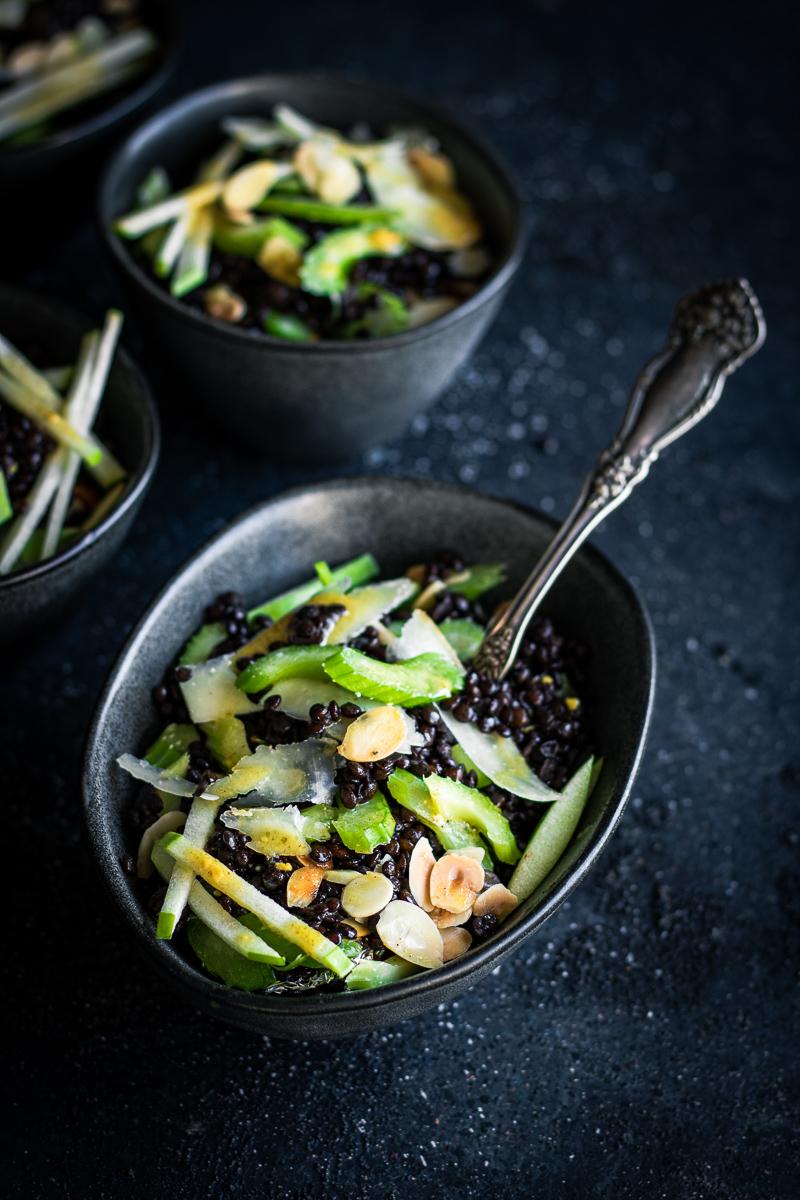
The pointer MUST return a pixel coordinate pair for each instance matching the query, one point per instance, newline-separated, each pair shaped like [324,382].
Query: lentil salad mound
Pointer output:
[298,231]
[335,799]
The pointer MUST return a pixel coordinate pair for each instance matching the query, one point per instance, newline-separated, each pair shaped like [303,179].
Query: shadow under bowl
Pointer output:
[328,400]
[51,335]
[400,521]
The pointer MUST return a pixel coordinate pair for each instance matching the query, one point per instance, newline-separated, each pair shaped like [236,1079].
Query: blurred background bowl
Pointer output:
[36,595]
[324,401]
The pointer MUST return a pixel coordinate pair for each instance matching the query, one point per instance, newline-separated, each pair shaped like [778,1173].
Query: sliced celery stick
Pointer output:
[211,913]
[196,833]
[464,636]
[358,571]
[192,267]
[419,680]
[200,644]
[73,410]
[154,188]
[374,972]
[366,826]
[18,366]
[457,802]
[327,214]
[20,530]
[552,835]
[171,246]
[412,793]
[171,744]
[275,918]
[226,738]
[286,326]
[190,200]
[324,573]
[499,758]
[247,240]
[6,507]
[318,821]
[460,755]
[224,962]
[289,662]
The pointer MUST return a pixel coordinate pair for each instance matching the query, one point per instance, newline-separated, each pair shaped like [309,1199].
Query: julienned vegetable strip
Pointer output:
[17,365]
[192,267]
[79,390]
[48,420]
[6,507]
[199,824]
[213,915]
[188,201]
[108,471]
[35,100]
[326,214]
[552,835]
[38,501]
[275,918]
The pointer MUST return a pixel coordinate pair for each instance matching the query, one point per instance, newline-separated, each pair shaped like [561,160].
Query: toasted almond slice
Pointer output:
[220,302]
[343,877]
[455,942]
[409,932]
[326,171]
[455,881]
[367,895]
[497,900]
[420,866]
[428,594]
[303,885]
[250,184]
[375,734]
[444,920]
[417,572]
[434,169]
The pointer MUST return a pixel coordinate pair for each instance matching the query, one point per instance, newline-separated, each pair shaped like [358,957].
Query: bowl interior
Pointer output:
[180,136]
[400,521]
[50,336]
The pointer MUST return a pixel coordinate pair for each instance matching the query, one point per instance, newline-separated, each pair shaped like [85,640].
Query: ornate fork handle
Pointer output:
[713,331]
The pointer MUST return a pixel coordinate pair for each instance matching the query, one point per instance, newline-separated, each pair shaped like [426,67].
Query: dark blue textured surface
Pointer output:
[642,1045]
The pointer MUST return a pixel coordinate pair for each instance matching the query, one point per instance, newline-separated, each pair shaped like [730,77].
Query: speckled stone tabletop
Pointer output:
[644,1043]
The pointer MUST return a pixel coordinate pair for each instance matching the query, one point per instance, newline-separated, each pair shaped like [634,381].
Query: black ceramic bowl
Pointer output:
[31,597]
[25,167]
[400,521]
[328,400]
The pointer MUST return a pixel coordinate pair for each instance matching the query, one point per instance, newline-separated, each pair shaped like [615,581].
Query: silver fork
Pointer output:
[714,330]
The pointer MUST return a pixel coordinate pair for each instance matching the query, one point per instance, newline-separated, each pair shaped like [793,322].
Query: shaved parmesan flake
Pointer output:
[211,692]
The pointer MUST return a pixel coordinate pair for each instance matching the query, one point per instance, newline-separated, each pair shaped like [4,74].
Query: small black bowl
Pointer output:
[31,597]
[400,521]
[328,400]
[23,168]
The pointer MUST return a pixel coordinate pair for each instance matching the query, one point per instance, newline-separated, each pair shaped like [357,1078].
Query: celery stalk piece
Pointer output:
[418,680]
[38,501]
[33,100]
[324,573]
[154,188]
[375,972]
[460,756]
[358,571]
[552,835]
[275,918]
[318,821]
[211,913]
[108,471]
[367,826]
[200,644]
[171,246]
[247,240]
[220,165]
[289,662]
[135,224]
[477,579]
[196,833]
[411,793]
[6,507]
[498,758]
[171,744]
[327,265]
[191,269]
[457,802]
[59,377]
[286,327]
[49,420]
[327,214]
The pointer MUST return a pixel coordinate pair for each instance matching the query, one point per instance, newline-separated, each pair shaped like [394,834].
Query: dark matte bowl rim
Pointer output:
[127,104]
[140,476]
[205,98]
[218,994]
